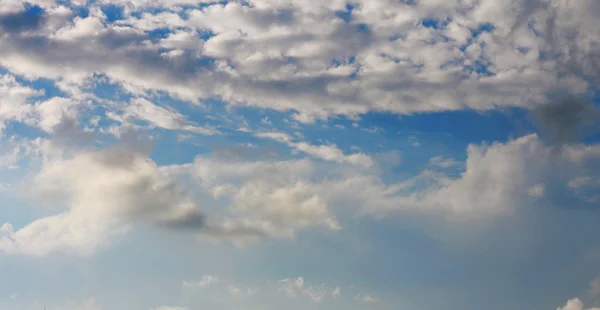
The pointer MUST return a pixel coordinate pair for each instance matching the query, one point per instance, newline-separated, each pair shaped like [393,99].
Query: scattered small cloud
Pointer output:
[205,281]
[537,191]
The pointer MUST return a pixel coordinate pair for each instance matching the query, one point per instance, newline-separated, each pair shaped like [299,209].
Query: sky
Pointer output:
[299,154]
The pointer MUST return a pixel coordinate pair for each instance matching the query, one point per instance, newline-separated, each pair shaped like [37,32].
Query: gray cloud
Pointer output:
[21,21]
[194,220]
[568,119]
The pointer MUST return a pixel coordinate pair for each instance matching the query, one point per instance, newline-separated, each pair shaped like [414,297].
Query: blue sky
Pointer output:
[265,154]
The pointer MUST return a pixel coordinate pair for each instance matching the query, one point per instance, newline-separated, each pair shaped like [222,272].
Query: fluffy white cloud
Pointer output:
[318,59]
[14,100]
[498,178]
[103,192]
[268,198]
[19,103]
[107,191]
[575,304]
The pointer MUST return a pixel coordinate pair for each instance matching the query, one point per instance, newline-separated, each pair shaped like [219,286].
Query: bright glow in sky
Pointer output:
[299,154]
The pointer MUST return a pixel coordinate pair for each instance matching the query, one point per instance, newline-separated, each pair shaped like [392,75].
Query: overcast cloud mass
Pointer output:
[299,154]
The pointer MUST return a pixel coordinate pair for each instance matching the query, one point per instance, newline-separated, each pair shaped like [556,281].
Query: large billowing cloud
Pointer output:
[105,192]
[317,59]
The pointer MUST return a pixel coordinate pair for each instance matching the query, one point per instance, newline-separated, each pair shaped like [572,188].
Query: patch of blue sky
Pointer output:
[182,146]
[159,33]
[481,67]
[430,23]
[76,10]
[176,148]
[475,32]
[447,134]
[342,61]
[439,134]
[485,27]
[48,87]
[435,23]
[347,14]
[363,28]
[103,88]
[113,12]
[22,130]
[33,9]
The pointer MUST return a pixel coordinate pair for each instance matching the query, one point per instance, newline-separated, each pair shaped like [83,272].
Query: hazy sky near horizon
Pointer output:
[299,154]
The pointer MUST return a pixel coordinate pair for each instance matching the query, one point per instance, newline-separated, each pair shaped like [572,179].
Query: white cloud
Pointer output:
[275,198]
[206,281]
[301,56]
[293,288]
[575,304]
[103,193]
[366,298]
[14,100]
[593,294]
[20,103]
[537,191]
[336,293]
[579,182]
[268,198]
[498,179]
[594,290]
[157,116]
[238,292]
[327,152]
[441,161]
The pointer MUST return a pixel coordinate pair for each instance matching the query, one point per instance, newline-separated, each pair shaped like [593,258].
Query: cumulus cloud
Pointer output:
[318,60]
[593,294]
[575,304]
[13,100]
[498,179]
[103,192]
[268,198]
[106,192]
